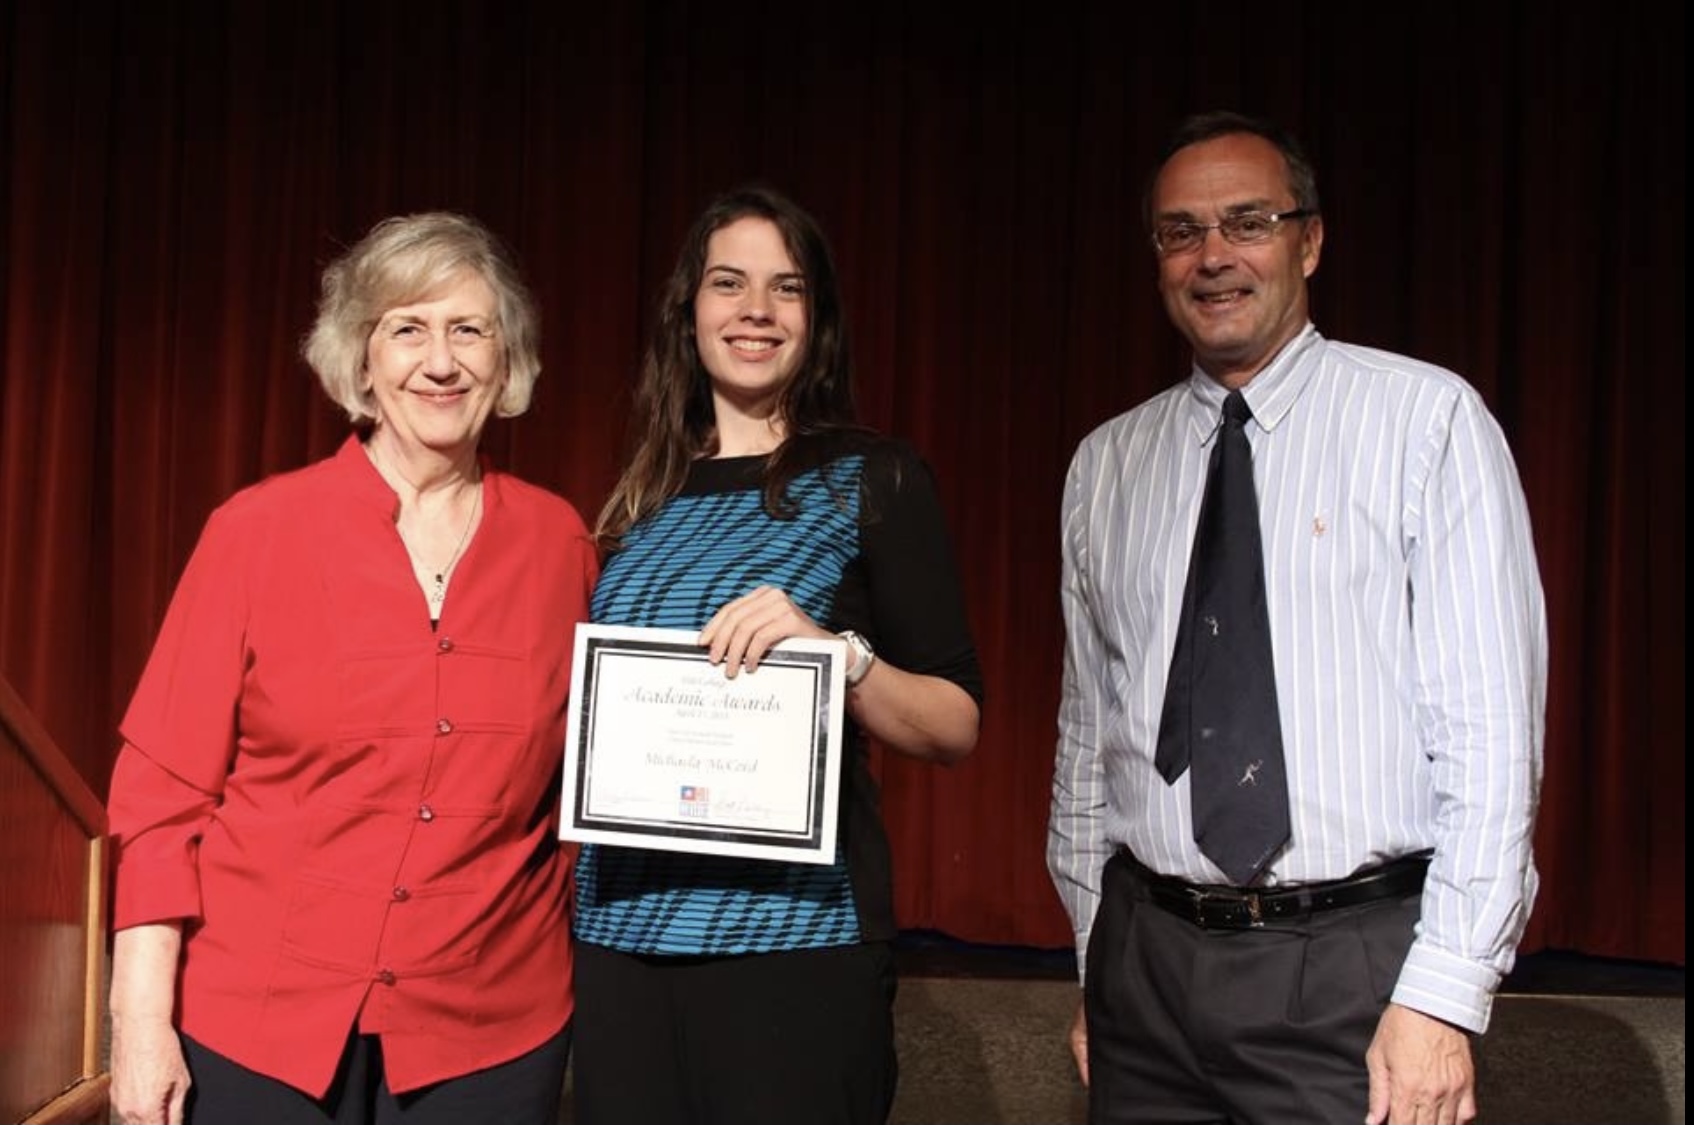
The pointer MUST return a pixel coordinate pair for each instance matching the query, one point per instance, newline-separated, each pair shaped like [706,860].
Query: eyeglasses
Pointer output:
[1246,228]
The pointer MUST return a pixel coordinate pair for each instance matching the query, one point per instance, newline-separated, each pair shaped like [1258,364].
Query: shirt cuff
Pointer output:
[154,892]
[1451,989]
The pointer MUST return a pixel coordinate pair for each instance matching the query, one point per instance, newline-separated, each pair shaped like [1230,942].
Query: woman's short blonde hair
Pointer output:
[405,259]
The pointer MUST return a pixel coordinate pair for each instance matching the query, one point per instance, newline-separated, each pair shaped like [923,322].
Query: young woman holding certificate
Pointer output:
[755,509]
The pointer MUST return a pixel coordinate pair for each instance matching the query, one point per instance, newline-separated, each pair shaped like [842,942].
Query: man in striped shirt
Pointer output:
[1409,645]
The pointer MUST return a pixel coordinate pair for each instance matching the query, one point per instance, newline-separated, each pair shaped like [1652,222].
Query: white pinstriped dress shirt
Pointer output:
[1408,632]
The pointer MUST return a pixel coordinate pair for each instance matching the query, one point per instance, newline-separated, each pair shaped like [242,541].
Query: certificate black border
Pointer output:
[675,835]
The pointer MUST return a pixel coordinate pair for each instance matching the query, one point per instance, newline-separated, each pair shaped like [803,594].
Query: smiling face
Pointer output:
[749,317]
[436,367]
[1236,305]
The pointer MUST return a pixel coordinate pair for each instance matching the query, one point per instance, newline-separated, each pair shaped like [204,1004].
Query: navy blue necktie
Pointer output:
[1220,718]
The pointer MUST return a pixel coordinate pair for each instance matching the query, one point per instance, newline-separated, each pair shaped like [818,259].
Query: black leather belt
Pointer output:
[1241,908]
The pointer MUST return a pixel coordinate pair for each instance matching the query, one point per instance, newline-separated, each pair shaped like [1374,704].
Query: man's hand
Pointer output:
[1079,1042]
[1421,1071]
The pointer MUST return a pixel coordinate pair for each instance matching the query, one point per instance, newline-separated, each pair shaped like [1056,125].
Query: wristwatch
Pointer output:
[863,657]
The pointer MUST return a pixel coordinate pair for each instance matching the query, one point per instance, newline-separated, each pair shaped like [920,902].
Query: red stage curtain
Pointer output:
[1503,189]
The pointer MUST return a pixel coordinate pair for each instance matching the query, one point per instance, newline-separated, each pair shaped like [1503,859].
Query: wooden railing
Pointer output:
[52,929]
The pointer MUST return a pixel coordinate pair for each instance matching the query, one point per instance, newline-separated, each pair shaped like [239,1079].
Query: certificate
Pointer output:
[664,751]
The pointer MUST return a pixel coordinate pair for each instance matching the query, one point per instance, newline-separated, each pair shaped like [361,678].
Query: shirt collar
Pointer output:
[1270,394]
[364,483]
[366,486]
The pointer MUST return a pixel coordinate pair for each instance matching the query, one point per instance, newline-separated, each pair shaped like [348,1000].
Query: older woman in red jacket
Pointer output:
[340,895]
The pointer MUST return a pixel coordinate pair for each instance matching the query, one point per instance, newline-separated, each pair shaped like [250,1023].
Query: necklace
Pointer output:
[436,592]
[434,579]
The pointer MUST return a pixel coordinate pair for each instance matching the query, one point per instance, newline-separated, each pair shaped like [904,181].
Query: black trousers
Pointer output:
[1264,1026]
[795,1038]
[525,1091]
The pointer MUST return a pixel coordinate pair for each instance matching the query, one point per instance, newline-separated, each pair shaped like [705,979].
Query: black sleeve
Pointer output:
[916,610]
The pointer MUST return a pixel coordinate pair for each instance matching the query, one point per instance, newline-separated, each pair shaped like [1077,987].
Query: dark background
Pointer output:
[1503,195]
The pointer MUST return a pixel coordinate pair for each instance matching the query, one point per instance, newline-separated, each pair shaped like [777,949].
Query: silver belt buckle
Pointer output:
[1249,899]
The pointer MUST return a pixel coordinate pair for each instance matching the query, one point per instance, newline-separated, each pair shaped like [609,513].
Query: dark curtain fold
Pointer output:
[1503,194]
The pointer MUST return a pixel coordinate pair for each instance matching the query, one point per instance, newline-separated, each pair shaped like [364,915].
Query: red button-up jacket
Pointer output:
[354,813]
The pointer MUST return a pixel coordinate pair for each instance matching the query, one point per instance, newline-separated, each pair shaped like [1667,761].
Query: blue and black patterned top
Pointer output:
[867,549]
